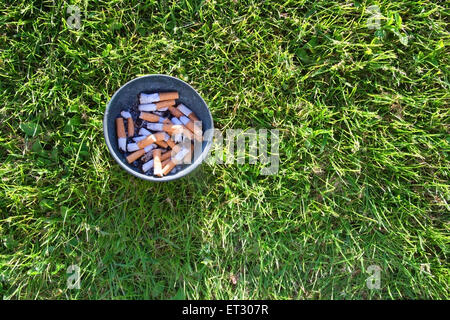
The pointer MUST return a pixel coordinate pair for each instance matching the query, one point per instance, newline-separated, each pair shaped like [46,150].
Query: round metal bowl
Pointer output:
[127,96]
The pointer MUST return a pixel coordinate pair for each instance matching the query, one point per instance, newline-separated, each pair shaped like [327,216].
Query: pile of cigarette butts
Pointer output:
[159,134]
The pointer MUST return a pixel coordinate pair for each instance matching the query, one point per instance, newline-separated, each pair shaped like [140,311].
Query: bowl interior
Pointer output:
[127,96]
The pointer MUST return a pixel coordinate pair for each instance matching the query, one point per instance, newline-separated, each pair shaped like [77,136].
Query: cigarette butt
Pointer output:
[130,127]
[147,166]
[168,167]
[163,104]
[187,112]
[157,162]
[145,98]
[153,138]
[149,117]
[174,161]
[175,112]
[120,128]
[168,95]
[135,155]
[121,136]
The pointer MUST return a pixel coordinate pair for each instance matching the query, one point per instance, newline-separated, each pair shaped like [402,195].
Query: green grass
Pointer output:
[364,151]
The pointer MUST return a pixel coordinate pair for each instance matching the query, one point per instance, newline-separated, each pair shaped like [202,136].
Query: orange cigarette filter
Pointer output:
[175,112]
[166,155]
[149,117]
[164,163]
[120,128]
[130,127]
[153,138]
[157,166]
[171,143]
[135,155]
[163,104]
[168,167]
[168,95]
[162,144]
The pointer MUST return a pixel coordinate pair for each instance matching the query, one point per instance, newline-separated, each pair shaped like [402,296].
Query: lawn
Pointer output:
[361,104]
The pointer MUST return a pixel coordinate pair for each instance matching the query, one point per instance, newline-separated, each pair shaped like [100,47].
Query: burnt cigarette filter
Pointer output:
[145,98]
[121,136]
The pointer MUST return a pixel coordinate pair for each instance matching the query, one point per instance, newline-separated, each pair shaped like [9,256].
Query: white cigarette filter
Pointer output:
[144,132]
[121,136]
[184,120]
[123,144]
[155,97]
[155,126]
[125,114]
[145,98]
[176,121]
[147,166]
[147,107]
[132,147]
